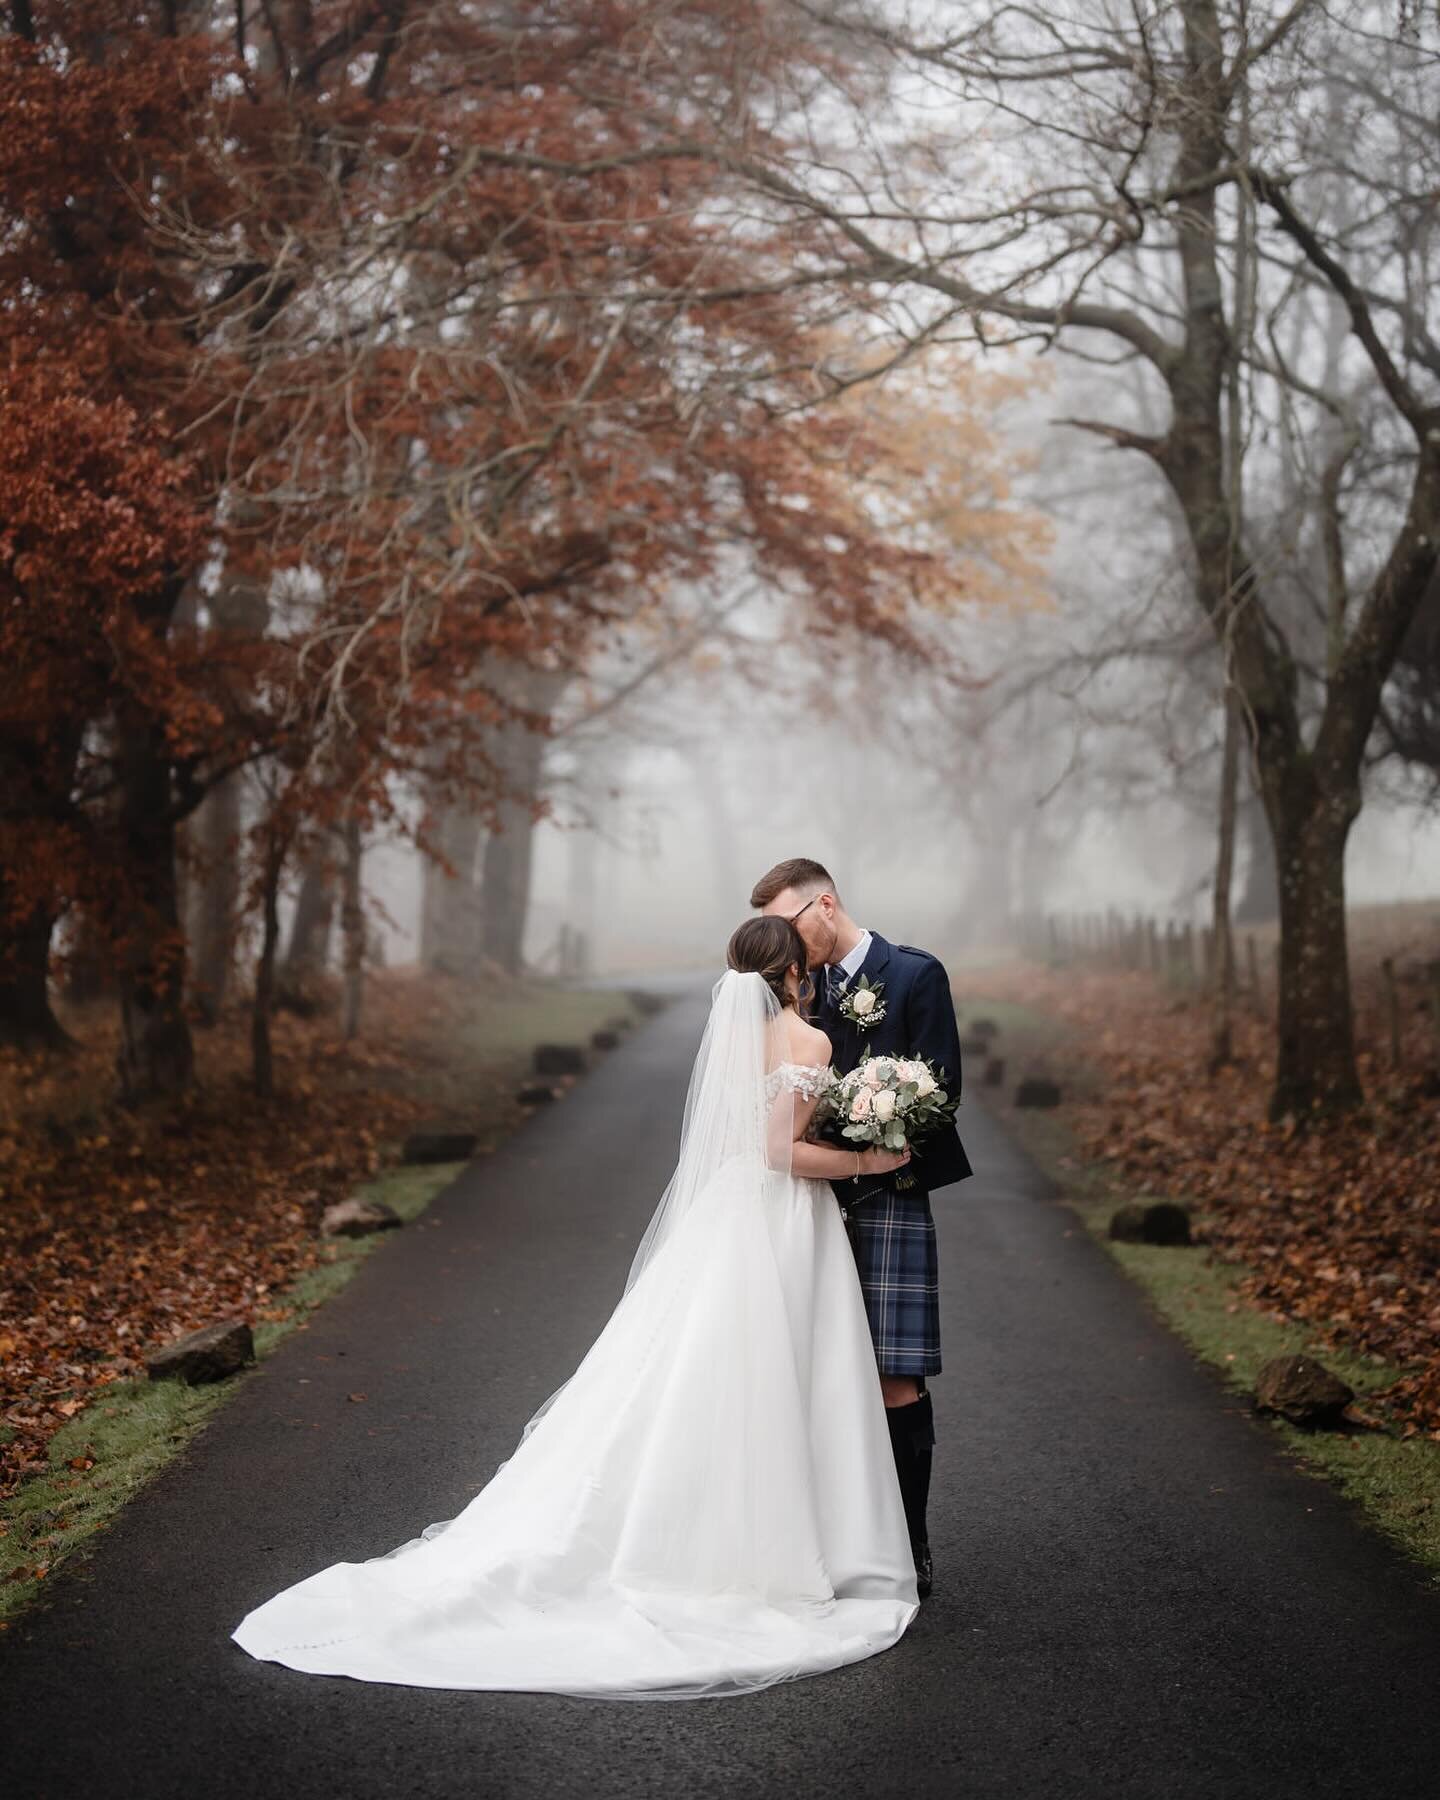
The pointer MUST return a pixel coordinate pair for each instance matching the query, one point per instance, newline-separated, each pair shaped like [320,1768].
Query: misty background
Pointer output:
[1078,774]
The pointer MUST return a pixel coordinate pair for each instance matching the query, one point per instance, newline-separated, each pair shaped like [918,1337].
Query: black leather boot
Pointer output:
[912,1436]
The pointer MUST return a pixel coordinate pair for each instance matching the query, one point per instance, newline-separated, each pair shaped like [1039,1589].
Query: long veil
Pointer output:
[732,1125]
[729,1118]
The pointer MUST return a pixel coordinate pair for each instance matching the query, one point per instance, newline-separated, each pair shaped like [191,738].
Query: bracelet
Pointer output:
[856,1175]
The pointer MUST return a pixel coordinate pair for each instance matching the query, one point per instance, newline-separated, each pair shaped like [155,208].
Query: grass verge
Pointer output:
[133,1427]
[1394,1482]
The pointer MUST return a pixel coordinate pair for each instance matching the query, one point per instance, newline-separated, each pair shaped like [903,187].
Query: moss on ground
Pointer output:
[1395,1481]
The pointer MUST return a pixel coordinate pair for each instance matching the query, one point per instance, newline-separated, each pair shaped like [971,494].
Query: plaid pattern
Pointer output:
[893,1237]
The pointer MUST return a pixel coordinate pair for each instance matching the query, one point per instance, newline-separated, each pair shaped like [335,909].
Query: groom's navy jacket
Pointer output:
[919,1021]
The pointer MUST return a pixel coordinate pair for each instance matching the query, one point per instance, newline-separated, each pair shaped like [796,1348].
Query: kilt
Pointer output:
[893,1236]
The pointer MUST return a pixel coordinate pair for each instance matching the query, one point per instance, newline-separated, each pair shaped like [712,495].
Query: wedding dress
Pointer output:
[709,1504]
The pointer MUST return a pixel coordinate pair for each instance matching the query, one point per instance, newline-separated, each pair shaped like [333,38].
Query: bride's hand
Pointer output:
[881,1162]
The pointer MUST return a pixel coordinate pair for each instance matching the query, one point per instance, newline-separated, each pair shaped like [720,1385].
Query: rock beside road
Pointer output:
[1303,1390]
[439,1146]
[1038,1090]
[358,1218]
[1159,1222]
[209,1354]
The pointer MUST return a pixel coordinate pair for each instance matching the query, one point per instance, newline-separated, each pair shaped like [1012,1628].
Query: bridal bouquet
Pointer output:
[887,1101]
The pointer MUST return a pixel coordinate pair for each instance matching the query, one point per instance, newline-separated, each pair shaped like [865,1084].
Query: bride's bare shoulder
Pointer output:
[805,1043]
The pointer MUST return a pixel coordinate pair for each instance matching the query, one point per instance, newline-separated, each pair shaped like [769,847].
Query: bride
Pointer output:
[709,1504]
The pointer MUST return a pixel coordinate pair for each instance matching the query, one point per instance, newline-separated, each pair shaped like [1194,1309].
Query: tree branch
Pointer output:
[1419,417]
[1120,438]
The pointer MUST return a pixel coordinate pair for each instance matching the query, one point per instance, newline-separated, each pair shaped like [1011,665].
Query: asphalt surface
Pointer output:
[1136,1593]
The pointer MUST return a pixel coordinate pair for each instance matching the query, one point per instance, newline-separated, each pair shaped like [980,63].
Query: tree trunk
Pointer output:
[300,987]
[89,961]
[216,896]
[26,1019]
[1315,1067]
[239,613]
[262,1058]
[505,887]
[1259,903]
[156,1053]
[309,946]
[1222,973]
[1311,794]
[36,782]
[352,926]
[450,916]
[508,854]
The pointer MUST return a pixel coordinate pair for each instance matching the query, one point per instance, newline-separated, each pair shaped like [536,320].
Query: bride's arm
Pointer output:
[826,1162]
[788,1147]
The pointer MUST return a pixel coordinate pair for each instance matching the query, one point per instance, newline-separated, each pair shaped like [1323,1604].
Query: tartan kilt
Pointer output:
[893,1236]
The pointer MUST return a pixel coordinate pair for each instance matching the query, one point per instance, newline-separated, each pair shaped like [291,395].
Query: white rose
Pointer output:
[926,1083]
[871,1075]
[860,1105]
[862,1001]
[884,1105]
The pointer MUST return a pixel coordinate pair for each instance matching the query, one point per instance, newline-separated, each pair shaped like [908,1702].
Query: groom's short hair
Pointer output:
[795,872]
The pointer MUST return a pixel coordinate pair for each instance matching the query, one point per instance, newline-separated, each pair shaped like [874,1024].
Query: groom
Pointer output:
[888,1216]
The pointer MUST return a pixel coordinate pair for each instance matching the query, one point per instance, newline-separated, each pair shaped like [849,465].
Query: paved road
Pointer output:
[1136,1594]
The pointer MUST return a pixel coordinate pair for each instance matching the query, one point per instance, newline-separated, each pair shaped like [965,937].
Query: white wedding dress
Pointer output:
[709,1504]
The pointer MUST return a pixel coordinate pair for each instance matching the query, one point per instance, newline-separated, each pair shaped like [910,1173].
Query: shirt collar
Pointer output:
[850,965]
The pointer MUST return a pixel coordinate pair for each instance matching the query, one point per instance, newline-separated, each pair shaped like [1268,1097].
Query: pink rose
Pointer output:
[860,1106]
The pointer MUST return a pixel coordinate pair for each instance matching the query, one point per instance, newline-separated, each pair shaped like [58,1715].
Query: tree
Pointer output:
[423,408]
[473,360]
[95,519]
[1137,146]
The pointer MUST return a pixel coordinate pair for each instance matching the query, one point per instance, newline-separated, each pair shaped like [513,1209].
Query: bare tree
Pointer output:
[1126,153]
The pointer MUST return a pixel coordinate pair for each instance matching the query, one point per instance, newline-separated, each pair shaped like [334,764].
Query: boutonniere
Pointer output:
[862,1004]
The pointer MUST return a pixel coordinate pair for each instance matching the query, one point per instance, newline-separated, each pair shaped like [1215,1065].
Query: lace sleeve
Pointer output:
[801,1078]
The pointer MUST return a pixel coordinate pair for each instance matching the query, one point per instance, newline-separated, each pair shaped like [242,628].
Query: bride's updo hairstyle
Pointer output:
[770,946]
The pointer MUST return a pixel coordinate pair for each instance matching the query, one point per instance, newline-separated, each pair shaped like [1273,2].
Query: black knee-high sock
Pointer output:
[912,1435]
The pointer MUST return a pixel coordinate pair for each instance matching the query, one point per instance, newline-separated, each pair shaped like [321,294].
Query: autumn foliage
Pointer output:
[390,358]
[1338,1225]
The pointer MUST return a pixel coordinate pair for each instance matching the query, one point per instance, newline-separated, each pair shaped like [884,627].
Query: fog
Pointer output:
[683,845]
[1067,761]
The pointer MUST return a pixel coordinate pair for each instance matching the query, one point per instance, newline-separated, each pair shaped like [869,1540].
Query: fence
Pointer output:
[1182,955]
[1176,951]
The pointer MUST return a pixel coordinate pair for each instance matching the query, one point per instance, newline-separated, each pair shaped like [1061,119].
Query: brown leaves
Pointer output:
[126,1231]
[1340,1226]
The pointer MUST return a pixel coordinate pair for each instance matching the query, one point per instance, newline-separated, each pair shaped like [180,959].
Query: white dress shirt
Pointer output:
[849,966]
